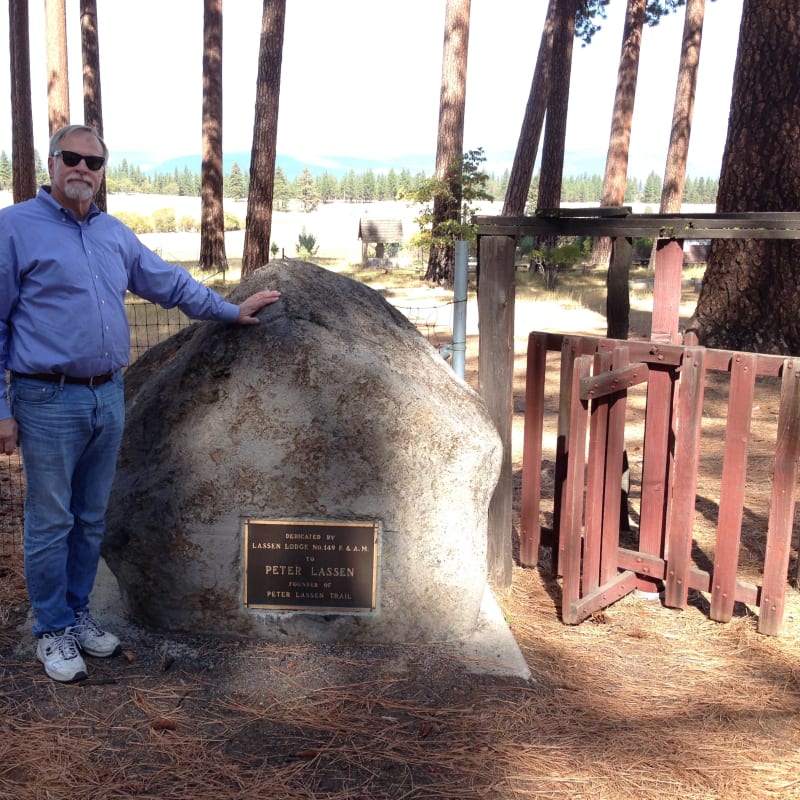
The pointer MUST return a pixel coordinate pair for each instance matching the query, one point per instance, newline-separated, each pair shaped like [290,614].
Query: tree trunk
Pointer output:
[212,212]
[616,175]
[23,159]
[680,134]
[450,139]
[57,75]
[675,170]
[265,134]
[750,299]
[519,181]
[557,105]
[92,101]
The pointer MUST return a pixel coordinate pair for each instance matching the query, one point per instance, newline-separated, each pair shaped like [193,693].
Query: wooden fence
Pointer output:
[596,570]
[595,375]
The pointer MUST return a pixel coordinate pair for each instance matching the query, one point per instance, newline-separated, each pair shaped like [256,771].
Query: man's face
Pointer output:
[78,184]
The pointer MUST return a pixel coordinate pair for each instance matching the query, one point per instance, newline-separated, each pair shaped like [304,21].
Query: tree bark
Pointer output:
[616,174]
[57,75]
[265,135]
[519,181]
[92,100]
[212,212]
[450,138]
[683,110]
[557,106]
[23,159]
[750,299]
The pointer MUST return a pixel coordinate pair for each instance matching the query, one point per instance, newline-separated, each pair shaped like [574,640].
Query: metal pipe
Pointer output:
[460,307]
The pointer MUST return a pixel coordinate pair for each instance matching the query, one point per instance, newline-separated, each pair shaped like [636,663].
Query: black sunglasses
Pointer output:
[72,159]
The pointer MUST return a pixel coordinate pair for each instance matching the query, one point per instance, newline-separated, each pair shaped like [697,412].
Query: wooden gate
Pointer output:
[595,376]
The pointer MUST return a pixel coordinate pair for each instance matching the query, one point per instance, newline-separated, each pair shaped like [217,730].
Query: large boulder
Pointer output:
[333,409]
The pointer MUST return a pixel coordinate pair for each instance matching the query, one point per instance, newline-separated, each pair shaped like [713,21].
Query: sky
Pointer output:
[361,78]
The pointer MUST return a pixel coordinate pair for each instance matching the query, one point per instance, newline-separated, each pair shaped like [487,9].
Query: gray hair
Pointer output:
[56,138]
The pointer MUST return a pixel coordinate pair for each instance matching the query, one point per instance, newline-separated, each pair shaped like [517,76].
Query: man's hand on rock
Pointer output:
[253,304]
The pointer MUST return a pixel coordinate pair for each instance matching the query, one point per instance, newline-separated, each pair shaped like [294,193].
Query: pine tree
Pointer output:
[5,171]
[236,184]
[307,191]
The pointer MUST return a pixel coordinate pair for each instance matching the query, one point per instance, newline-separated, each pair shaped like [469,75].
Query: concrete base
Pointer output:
[492,650]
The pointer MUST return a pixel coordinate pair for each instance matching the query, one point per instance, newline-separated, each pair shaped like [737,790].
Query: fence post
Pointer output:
[782,504]
[496,379]
[460,308]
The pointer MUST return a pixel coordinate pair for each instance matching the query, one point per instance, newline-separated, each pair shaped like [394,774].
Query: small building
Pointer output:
[379,232]
[695,251]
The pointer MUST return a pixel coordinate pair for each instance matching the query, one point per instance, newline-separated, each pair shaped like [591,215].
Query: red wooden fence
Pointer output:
[595,376]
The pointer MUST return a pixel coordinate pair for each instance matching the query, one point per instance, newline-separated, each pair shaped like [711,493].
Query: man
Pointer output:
[64,270]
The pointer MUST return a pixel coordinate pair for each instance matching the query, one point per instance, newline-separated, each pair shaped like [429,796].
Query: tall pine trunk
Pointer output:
[265,135]
[616,174]
[750,299]
[450,139]
[22,152]
[519,181]
[57,75]
[92,99]
[555,131]
[212,212]
[683,110]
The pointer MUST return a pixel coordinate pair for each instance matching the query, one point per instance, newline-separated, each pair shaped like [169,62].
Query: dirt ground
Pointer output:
[639,701]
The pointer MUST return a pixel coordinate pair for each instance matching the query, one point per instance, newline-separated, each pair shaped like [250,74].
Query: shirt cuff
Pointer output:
[230,313]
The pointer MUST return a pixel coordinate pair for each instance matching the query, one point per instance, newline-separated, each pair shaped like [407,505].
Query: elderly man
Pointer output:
[65,267]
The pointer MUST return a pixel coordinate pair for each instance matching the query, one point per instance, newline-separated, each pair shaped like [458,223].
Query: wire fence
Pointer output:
[151,324]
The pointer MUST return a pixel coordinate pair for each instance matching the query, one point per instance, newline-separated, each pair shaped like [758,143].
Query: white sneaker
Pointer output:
[58,651]
[92,639]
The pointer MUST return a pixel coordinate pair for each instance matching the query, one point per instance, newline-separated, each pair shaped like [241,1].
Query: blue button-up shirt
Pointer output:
[62,291]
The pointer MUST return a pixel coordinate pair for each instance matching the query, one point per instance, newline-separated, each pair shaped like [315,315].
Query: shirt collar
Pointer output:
[45,194]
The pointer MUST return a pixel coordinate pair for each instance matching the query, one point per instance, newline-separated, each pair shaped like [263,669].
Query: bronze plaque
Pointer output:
[310,566]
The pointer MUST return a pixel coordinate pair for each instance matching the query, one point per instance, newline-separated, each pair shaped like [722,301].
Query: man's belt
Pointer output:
[94,380]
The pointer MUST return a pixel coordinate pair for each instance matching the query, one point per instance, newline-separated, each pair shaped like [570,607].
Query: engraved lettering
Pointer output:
[333,572]
[282,569]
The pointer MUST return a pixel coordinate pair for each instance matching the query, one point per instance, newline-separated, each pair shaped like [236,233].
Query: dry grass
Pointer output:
[639,701]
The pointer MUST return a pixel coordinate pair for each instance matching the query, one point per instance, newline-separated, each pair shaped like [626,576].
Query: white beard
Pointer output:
[77,189]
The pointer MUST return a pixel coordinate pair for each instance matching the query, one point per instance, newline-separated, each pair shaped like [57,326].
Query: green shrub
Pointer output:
[164,220]
[306,244]
[136,222]
[189,223]
[232,222]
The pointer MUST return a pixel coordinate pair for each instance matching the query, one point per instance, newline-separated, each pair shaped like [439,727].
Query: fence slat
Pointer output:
[595,479]
[531,493]
[613,472]
[572,521]
[657,458]
[571,348]
[603,596]
[734,472]
[781,513]
[684,489]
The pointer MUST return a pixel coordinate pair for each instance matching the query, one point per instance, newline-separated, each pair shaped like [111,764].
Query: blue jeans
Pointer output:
[70,437]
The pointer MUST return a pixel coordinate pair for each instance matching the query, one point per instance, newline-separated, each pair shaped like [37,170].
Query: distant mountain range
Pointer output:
[575,164]
[339,166]
[292,167]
